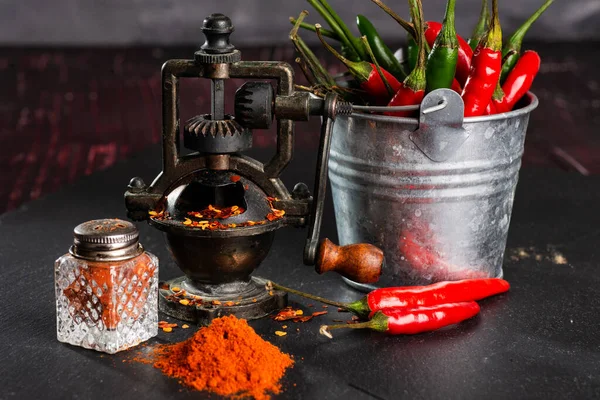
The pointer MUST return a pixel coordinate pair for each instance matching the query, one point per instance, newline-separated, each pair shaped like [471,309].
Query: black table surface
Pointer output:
[539,340]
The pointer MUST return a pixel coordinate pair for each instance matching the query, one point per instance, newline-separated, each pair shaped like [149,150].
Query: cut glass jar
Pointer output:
[106,288]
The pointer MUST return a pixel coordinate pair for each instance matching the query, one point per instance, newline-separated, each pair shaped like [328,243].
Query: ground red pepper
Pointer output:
[227,358]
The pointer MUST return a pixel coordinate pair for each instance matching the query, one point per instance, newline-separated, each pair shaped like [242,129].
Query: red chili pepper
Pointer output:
[413,321]
[465,53]
[519,81]
[485,69]
[415,296]
[412,90]
[437,293]
[366,74]
[456,86]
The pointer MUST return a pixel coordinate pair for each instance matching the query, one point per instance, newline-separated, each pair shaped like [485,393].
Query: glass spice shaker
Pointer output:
[106,288]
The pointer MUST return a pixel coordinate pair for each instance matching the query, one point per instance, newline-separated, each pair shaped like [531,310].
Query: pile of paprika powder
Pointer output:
[227,358]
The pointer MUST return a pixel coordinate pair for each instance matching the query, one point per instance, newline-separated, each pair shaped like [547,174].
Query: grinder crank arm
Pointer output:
[362,262]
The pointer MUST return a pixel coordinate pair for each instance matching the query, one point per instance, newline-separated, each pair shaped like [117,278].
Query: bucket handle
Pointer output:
[440,133]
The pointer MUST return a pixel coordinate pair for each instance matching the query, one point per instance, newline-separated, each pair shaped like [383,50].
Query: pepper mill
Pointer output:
[218,255]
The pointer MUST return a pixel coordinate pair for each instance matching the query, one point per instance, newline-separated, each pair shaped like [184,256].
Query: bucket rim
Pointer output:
[533,104]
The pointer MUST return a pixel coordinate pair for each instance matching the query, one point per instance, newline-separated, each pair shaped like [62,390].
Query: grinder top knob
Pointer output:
[217,49]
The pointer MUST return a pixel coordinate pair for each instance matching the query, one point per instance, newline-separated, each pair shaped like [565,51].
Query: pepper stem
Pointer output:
[479,29]
[494,36]
[356,45]
[379,71]
[319,73]
[311,27]
[354,67]
[416,81]
[404,23]
[335,27]
[271,284]
[516,40]
[378,323]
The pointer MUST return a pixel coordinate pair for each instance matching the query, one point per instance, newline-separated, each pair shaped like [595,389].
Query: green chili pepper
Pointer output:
[511,51]
[412,52]
[383,54]
[481,27]
[441,63]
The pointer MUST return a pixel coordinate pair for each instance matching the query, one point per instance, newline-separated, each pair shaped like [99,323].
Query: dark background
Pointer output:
[80,80]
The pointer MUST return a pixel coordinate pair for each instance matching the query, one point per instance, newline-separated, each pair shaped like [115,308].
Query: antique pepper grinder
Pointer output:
[219,209]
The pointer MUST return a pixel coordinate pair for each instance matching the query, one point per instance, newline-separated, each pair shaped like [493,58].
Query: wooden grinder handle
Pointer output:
[360,262]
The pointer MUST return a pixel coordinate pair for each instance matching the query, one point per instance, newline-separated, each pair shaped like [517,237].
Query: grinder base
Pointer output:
[182,299]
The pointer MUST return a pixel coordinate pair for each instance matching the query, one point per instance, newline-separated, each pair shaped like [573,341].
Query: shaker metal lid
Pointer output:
[106,240]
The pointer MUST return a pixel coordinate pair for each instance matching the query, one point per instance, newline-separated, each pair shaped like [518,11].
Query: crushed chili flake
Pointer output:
[229,303]
[235,178]
[176,289]
[316,314]
[325,306]
[254,300]
[185,326]
[164,286]
[215,302]
[184,302]
[284,327]
[280,333]
[212,212]
[167,329]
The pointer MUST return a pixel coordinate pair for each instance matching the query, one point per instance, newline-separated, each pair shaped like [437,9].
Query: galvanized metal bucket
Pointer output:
[434,193]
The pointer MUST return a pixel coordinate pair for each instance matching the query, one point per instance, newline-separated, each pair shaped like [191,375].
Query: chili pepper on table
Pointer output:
[412,321]
[412,90]
[441,63]
[519,81]
[365,73]
[384,55]
[479,30]
[485,69]
[414,296]
[510,51]
[352,45]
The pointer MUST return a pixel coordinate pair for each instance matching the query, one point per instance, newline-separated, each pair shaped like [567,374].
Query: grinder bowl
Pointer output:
[223,255]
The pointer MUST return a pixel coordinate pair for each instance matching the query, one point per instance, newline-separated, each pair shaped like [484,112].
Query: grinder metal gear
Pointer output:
[219,254]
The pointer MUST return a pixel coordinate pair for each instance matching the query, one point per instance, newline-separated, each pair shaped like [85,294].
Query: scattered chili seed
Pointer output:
[153,213]
[284,327]
[187,221]
[185,326]
[270,293]
[280,333]
[215,302]
[325,306]
[184,302]
[254,300]
[167,329]
[299,312]
[176,289]
[229,303]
